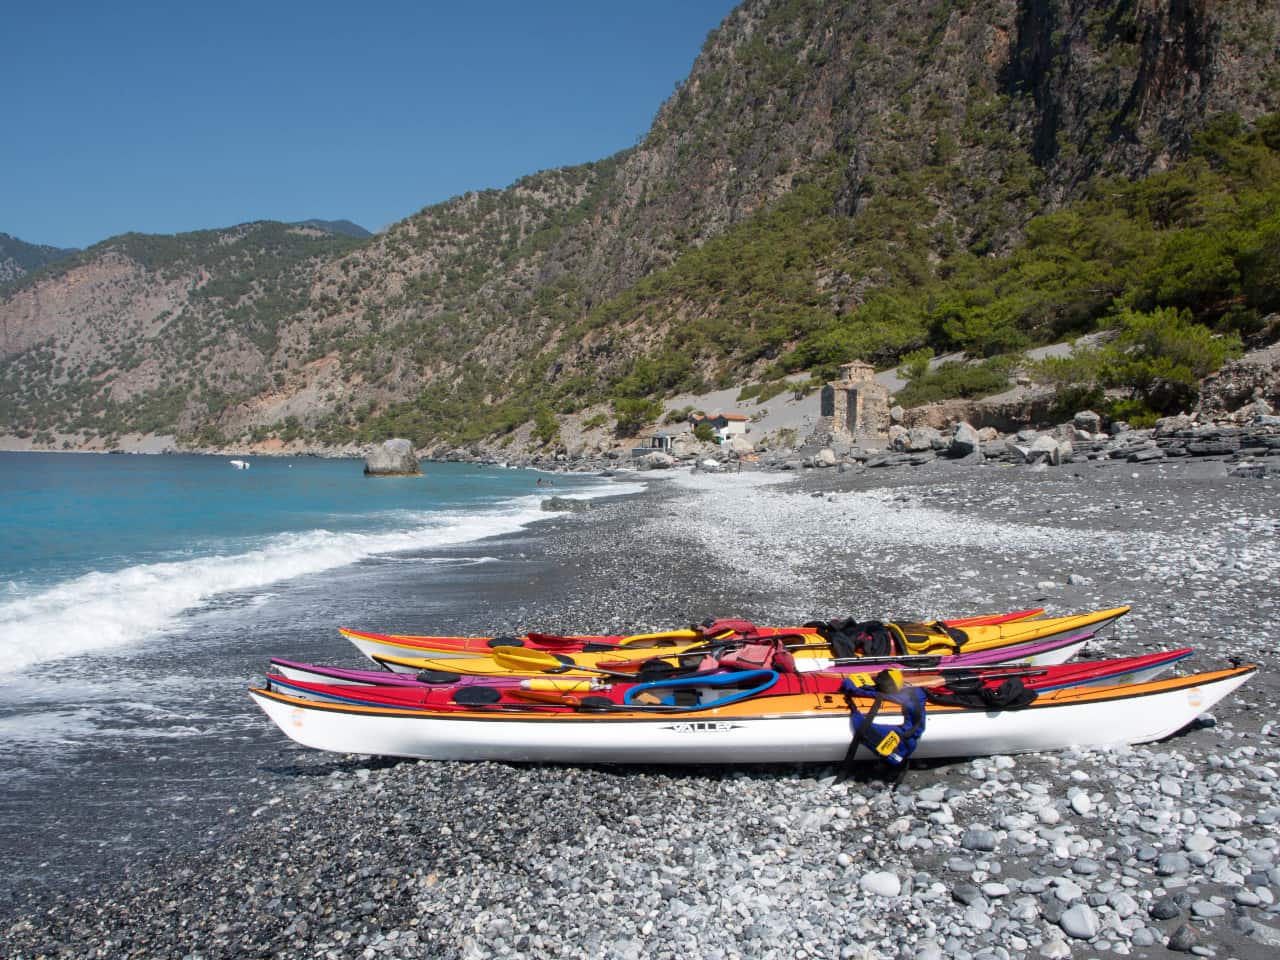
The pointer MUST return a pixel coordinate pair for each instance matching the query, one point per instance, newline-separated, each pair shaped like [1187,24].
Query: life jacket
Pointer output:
[892,744]
[716,628]
[850,638]
[761,655]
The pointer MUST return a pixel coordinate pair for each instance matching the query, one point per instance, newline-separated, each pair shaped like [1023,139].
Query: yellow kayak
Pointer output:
[917,640]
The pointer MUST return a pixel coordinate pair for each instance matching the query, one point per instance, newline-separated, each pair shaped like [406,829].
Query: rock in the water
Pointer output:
[392,458]
[565,505]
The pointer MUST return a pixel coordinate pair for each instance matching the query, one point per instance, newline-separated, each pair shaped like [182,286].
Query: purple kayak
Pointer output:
[1032,653]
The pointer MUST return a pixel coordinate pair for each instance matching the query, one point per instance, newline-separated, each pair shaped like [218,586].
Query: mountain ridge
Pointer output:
[842,151]
[18,258]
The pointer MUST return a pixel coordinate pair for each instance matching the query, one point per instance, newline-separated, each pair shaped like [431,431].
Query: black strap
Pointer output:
[846,765]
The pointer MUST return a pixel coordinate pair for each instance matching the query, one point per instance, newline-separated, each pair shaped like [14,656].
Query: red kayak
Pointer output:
[553,691]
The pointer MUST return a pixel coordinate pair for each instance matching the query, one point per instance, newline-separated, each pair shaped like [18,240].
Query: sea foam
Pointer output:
[104,611]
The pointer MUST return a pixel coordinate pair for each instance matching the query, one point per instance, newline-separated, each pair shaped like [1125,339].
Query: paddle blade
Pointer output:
[524,660]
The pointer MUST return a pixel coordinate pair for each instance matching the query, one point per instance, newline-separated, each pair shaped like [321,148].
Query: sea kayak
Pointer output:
[788,728]
[409,645]
[1042,652]
[1037,654]
[520,691]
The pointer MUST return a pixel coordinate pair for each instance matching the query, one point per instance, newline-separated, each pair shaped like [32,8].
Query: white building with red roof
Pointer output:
[725,425]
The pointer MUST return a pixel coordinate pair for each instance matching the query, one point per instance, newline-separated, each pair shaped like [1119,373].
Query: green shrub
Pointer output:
[1159,357]
[915,364]
[545,426]
[704,432]
[763,392]
[632,413]
[955,379]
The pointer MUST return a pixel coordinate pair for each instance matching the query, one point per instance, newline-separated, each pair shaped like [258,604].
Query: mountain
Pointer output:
[829,181]
[340,228]
[18,257]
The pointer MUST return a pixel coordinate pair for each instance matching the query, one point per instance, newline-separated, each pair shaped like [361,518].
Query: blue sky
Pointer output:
[168,116]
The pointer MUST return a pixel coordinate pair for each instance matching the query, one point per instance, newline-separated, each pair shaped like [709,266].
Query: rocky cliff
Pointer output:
[815,151]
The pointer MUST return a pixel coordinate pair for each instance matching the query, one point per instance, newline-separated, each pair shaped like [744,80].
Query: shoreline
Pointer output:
[485,860]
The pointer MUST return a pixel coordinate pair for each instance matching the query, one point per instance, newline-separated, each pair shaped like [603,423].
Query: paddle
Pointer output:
[519,659]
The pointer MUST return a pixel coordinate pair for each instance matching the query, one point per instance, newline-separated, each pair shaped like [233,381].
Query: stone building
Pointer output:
[855,406]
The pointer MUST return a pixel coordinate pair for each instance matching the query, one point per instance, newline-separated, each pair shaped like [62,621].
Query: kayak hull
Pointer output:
[785,729]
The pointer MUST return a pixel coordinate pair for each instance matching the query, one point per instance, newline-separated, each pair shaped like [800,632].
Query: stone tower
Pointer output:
[855,406]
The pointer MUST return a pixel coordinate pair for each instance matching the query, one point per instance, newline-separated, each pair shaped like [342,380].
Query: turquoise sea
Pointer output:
[141,595]
[101,553]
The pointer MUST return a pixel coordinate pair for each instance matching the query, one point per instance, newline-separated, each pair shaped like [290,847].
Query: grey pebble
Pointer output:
[983,840]
[1172,864]
[1207,910]
[1182,939]
[1165,908]
[1079,921]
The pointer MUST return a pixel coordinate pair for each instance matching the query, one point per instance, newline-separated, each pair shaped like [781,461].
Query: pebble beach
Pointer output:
[1173,846]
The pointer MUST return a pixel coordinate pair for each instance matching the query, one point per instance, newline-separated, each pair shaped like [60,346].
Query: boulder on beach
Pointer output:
[392,458]
[918,439]
[1045,448]
[656,461]
[1087,421]
[965,442]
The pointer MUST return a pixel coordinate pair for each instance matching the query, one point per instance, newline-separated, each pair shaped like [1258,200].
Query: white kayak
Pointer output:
[766,729]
